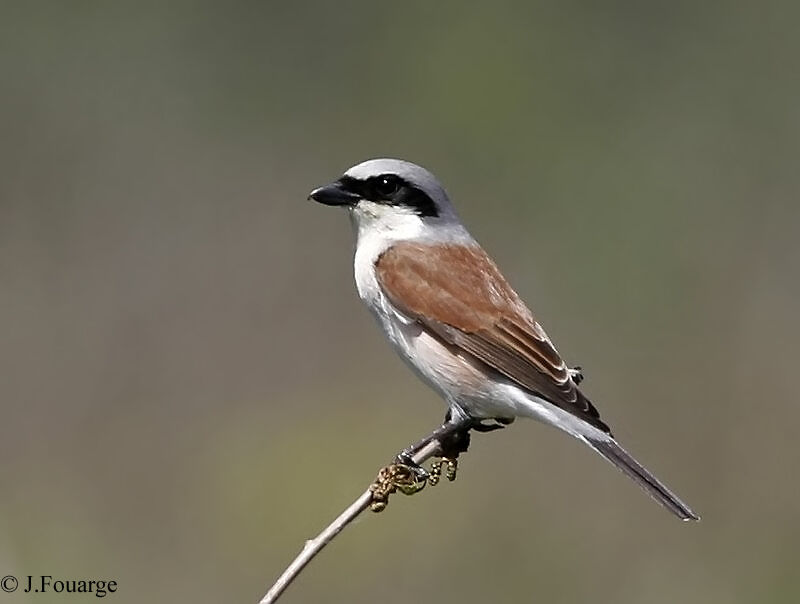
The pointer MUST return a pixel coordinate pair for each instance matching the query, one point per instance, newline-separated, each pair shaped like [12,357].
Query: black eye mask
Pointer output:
[391,189]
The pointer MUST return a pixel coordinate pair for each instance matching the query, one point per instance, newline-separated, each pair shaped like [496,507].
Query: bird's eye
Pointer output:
[386,186]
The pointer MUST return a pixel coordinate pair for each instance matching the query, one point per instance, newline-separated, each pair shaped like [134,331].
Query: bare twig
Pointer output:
[315,545]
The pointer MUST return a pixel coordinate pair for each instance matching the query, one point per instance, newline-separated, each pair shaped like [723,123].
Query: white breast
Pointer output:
[374,238]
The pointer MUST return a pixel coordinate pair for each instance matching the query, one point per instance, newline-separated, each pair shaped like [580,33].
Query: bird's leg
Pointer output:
[454,442]
[453,436]
[409,477]
[576,373]
[458,442]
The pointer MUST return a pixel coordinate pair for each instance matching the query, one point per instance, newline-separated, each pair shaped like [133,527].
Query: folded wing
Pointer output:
[459,294]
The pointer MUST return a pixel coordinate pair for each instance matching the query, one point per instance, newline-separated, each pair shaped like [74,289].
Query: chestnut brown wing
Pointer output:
[459,294]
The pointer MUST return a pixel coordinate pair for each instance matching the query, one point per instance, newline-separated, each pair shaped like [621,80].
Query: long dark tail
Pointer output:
[618,456]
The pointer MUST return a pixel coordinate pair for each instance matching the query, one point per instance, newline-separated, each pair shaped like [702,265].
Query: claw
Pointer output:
[404,459]
[408,477]
[500,422]
[479,427]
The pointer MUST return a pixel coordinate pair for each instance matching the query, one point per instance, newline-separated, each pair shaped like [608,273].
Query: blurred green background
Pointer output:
[190,386]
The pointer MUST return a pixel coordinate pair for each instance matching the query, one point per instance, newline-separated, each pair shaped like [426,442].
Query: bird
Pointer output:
[452,316]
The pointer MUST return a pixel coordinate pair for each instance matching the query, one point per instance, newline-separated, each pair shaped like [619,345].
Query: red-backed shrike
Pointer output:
[452,316]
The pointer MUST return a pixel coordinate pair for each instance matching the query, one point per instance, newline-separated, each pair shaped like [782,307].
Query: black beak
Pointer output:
[334,195]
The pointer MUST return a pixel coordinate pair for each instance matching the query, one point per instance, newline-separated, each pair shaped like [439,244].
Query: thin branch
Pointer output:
[315,545]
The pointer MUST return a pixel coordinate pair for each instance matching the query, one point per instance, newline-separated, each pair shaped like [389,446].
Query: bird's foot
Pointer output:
[576,373]
[409,477]
[456,441]
[406,459]
[396,477]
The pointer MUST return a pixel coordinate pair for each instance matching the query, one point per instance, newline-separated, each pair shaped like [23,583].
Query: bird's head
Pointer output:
[389,193]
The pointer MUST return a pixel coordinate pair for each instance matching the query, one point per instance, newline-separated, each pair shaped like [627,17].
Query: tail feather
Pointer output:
[608,448]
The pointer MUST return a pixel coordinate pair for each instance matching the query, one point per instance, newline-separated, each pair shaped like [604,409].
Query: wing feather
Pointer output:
[458,293]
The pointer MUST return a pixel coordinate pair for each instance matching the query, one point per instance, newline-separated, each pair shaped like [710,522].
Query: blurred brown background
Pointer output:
[190,387]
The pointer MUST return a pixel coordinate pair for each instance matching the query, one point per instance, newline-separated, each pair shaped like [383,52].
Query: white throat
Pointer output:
[373,221]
